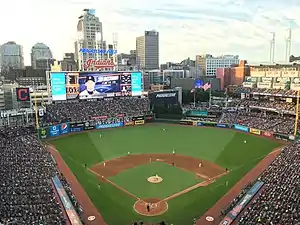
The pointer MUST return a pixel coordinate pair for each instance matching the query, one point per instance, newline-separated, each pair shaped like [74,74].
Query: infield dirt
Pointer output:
[202,168]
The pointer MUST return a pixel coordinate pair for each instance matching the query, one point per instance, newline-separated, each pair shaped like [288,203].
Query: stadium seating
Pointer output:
[85,110]
[26,193]
[279,200]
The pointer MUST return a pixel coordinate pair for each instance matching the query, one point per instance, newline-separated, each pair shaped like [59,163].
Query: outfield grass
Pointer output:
[174,180]
[224,147]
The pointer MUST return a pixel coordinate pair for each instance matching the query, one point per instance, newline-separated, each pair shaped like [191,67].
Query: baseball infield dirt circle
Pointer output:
[155,207]
[155,179]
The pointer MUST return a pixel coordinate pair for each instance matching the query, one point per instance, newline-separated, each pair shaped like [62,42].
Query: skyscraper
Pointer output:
[11,56]
[41,56]
[147,50]
[90,36]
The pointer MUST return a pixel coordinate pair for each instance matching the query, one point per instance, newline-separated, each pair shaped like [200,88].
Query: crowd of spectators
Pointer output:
[279,200]
[264,91]
[86,110]
[27,195]
[278,105]
[261,120]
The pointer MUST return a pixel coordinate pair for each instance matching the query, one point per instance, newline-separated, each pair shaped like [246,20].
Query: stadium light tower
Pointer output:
[115,46]
[288,45]
[272,48]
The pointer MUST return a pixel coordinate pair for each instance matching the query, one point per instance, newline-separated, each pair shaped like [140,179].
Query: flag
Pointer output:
[193,90]
[206,86]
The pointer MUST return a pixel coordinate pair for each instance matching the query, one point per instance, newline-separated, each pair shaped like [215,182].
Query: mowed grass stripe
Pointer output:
[217,145]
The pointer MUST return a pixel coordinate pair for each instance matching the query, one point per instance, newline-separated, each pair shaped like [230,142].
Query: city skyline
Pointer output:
[214,27]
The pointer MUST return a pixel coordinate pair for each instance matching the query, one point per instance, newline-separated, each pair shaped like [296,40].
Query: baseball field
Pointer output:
[177,171]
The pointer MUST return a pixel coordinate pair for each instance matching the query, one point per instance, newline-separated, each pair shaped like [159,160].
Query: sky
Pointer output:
[186,28]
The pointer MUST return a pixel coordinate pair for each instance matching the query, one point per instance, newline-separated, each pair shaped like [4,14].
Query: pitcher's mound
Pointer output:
[156,207]
[155,179]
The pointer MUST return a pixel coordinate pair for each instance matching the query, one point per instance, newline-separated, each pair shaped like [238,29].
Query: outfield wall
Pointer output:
[239,127]
[75,127]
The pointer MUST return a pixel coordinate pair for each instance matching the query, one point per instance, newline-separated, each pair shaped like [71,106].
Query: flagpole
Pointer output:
[209,97]
[195,98]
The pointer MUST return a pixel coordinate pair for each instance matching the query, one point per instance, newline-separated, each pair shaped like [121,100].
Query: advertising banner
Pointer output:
[64,128]
[233,214]
[210,124]
[112,125]
[139,122]
[43,132]
[240,127]
[134,118]
[267,134]
[23,94]
[76,127]
[88,126]
[291,137]
[222,125]
[54,131]
[70,211]
[186,122]
[255,131]
[129,123]
[200,124]
[281,136]
[148,118]
[165,97]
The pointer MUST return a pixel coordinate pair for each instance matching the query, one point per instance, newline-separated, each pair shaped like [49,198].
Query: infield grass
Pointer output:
[174,180]
[224,147]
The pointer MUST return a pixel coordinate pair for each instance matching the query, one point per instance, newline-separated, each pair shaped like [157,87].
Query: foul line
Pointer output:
[115,185]
[203,183]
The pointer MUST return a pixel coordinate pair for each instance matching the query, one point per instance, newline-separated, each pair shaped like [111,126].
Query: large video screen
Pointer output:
[58,86]
[87,85]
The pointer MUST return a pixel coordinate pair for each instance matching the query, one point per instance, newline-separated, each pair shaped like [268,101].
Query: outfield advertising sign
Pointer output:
[111,125]
[240,127]
[255,131]
[76,127]
[43,132]
[267,134]
[221,125]
[64,128]
[139,122]
[54,131]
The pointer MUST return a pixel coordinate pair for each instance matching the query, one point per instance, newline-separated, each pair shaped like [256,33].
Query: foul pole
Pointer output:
[297,114]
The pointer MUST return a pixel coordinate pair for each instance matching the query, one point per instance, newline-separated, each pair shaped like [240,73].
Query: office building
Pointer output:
[68,63]
[41,57]
[209,64]
[11,56]
[147,50]
[90,36]
[234,75]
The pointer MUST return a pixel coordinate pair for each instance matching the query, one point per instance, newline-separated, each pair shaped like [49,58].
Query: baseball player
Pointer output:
[104,164]
[90,91]
[200,164]
[150,160]
[173,151]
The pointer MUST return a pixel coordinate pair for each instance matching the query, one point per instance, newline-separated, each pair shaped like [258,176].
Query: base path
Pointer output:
[215,211]
[204,169]
[150,207]
[89,210]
